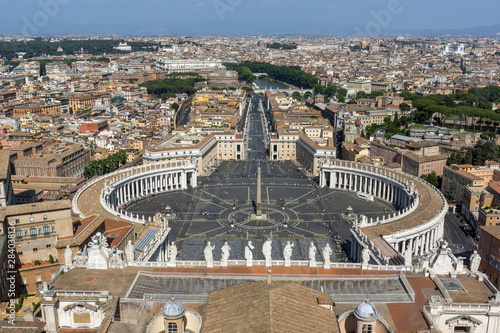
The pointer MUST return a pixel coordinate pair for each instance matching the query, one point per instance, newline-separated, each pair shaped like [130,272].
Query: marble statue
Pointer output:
[225,253]
[287,253]
[172,252]
[266,251]
[312,255]
[408,258]
[365,255]
[129,251]
[68,256]
[209,255]
[475,260]
[327,252]
[249,253]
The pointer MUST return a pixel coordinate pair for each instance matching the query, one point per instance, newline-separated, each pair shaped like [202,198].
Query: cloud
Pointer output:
[200,5]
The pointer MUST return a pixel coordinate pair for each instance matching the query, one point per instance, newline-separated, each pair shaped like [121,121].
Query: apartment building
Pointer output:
[93,126]
[63,162]
[465,175]
[39,109]
[489,250]
[78,102]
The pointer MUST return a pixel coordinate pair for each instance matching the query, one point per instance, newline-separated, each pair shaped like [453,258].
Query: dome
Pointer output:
[366,311]
[173,309]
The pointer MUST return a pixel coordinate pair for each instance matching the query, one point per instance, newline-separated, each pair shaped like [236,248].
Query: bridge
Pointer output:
[260,75]
[286,91]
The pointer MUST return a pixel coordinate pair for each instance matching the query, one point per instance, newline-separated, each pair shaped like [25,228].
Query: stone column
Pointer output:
[331,179]
[194,179]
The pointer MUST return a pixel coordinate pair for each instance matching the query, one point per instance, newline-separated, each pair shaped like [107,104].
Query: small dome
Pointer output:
[173,309]
[366,311]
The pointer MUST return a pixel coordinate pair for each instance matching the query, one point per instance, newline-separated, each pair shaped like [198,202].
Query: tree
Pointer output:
[468,156]
[175,106]
[341,94]
[404,107]
[245,74]
[451,193]
[432,178]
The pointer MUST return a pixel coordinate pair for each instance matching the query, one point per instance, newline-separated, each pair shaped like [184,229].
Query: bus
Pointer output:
[365,197]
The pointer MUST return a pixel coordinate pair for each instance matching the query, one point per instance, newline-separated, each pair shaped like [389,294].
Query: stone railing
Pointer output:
[275,263]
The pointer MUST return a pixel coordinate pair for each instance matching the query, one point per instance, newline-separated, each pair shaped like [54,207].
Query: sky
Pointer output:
[227,17]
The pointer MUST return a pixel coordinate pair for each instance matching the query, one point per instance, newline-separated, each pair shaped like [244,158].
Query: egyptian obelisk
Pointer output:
[258,211]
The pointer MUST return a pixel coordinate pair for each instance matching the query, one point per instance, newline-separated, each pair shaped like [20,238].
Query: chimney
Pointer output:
[269,277]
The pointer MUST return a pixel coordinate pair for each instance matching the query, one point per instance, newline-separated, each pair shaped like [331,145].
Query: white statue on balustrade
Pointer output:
[365,256]
[475,260]
[249,253]
[408,258]
[225,253]
[327,252]
[172,253]
[209,258]
[129,251]
[312,255]
[287,253]
[68,257]
[266,251]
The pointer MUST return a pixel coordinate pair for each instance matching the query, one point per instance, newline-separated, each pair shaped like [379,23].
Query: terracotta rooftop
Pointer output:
[262,307]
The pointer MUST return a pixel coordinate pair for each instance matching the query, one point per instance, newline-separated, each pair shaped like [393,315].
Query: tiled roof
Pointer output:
[276,307]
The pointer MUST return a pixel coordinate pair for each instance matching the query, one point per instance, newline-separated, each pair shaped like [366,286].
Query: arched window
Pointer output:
[53,230]
[19,232]
[46,229]
[172,328]
[33,231]
[366,329]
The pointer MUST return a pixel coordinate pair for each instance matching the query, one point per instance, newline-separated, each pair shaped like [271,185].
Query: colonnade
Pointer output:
[420,244]
[144,185]
[381,188]
[394,187]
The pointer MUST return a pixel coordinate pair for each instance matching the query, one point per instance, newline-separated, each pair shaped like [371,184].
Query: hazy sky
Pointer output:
[244,16]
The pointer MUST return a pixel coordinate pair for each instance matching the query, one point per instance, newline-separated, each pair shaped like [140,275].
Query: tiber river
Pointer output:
[270,84]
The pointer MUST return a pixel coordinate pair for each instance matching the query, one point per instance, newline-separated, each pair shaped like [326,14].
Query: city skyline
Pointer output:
[240,17]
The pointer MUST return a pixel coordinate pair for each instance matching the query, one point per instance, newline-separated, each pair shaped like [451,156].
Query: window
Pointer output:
[32,219]
[45,217]
[53,230]
[48,246]
[172,328]
[35,249]
[17,221]
[366,329]
[24,281]
[19,232]
[19,253]
[33,231]
[461,329]
[39,278]
[46,229]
